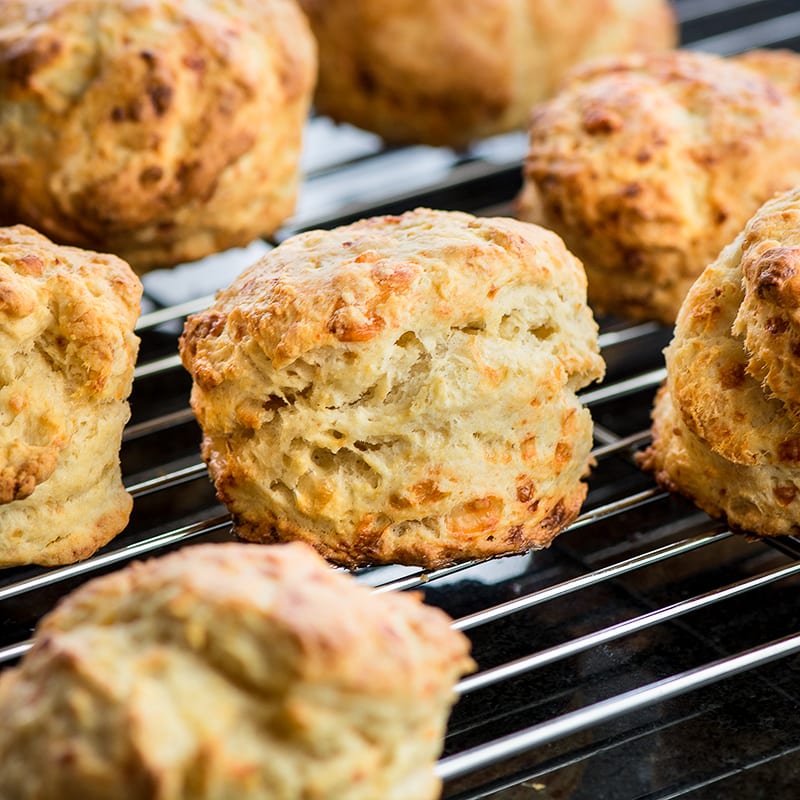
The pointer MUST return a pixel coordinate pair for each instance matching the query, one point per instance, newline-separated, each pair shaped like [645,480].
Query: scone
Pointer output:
[726,429]
[400,390]
[445,72]
[231,671]
[159,130]
[67,352]
[648,166]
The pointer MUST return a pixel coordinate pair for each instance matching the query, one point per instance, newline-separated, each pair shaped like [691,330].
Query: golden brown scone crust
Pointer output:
[769,319]
[67,352]
[782,67]
[727,427]
[400,390]
[648,165]
[445,72]
[231,671]
[159,130]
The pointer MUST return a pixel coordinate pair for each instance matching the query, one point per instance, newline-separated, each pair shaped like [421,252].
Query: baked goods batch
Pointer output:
[160,131]
[231,671]
[725,426]
[648,165]
[444,72]
[67,352]
[402,389]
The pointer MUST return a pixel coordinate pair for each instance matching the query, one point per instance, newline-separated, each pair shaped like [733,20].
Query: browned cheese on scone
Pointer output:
[402,389]
[445,72]
[648,166]
[726,428]
[232,672]
[159,130]
[67,352]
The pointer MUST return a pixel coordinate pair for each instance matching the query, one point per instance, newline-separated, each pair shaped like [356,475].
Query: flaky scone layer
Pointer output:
[400,390]
[648,166]
[67,353]
[231,671]
[159,130]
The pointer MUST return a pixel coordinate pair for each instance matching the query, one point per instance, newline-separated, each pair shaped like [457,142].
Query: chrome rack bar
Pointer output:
[544,733]
[647,380]
[115,556]
[582,643]
[589,579]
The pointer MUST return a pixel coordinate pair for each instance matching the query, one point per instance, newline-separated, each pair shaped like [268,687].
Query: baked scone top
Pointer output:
[160,130]
[89,299]
[367,281]
[649,165]
[278,614]
[769,317]
[446,72]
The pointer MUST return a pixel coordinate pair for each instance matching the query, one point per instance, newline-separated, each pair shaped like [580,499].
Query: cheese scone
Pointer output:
[158,130]
[648,166]
[402,389]
[726,429]
[67,353]
[231,671]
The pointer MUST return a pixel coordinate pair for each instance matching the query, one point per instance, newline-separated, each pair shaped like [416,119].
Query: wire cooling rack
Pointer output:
[649,653]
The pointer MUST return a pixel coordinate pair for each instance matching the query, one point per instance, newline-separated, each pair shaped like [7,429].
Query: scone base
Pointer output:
[416,544]
[753,499]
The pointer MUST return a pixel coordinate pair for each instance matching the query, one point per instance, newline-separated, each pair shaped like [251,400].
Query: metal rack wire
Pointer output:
[648,653]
